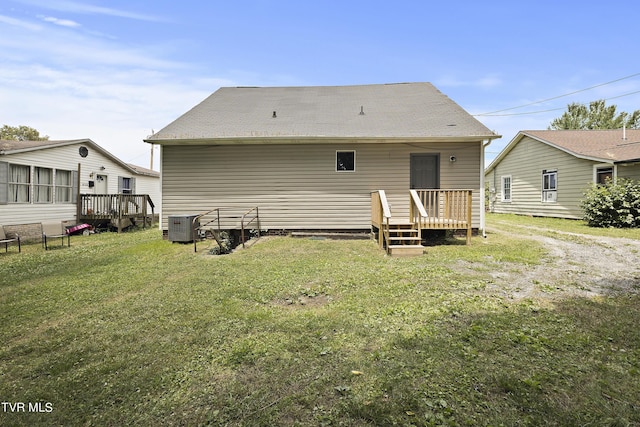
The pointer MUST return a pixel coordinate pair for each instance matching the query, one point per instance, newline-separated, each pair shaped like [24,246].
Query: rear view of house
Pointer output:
[310,157]
[546,172]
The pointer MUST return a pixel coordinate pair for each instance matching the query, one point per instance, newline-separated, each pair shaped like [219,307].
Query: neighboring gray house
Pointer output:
[40,180]
[311,157]
[546,172]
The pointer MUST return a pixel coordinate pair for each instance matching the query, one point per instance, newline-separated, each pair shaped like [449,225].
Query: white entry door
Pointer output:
[101,184]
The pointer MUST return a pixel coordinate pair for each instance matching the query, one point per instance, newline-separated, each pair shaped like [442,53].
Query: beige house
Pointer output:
[40,181]
[310,157]
[546,172]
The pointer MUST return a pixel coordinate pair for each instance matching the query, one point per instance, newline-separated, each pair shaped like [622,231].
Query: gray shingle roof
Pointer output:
[405,110]
[8,146]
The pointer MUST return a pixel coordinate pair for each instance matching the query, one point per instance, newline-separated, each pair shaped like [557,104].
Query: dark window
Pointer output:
[603,175]
[345,161]
[125,185]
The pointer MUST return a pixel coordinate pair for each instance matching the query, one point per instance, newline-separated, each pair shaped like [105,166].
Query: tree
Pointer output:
[21,133]
[596,116]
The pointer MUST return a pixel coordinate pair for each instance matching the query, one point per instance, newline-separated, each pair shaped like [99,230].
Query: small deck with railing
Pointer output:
[117,210]
[428,210]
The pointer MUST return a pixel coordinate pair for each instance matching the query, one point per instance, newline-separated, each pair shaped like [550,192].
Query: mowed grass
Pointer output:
[556,225]
[133,330]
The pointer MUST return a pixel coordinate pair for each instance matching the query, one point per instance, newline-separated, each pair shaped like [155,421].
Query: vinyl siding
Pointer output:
[67,158]
[629,171]
[297,187]
[525,163]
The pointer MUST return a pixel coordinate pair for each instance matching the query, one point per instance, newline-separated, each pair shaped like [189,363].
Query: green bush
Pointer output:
[613,205]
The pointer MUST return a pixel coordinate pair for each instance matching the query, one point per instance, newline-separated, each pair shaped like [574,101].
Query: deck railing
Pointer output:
[114,207]
[417,211]
[380,215]
[446,209]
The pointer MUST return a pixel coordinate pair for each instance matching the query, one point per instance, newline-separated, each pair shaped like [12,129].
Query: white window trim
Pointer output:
[354,161]
[502,196]
[38,187]
[28,184]
[544,198]
[603,166]
[57,187]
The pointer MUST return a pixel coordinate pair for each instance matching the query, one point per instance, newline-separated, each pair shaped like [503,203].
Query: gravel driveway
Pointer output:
[576,265]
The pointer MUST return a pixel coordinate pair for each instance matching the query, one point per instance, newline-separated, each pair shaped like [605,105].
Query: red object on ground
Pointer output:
[78,227]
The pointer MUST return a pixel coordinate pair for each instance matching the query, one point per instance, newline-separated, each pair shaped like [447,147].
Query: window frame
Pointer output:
[597,172]
[131,185]
[38,186]
[13,184]
[503,197]
[337,161]
[549,192]
[63,188]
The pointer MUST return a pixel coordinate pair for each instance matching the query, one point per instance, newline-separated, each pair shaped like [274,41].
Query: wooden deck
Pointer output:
[428,210]
[118,210]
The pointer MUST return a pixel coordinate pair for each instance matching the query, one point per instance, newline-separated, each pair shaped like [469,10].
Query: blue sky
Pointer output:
[114,70]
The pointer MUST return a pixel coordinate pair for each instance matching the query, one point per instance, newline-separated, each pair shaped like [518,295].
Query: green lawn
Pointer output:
[133,330]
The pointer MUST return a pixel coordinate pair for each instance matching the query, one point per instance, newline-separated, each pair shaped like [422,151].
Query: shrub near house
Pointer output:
[613,204]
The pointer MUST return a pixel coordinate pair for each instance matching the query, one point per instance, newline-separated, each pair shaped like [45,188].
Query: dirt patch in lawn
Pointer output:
[575,265]
[304,301]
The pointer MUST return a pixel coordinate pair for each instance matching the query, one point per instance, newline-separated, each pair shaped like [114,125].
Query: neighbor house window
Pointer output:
[549,185]
[63,186]
[19,183]
[42,185]
[126,185]
[506,188]
[345,161]
[603,175]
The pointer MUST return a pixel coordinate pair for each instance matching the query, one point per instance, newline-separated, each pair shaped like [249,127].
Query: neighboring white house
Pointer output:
[41,180]
[546,172]
[311,157]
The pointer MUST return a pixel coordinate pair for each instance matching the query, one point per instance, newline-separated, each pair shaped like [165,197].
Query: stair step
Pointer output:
[397,221]
[407,238]
[406,250]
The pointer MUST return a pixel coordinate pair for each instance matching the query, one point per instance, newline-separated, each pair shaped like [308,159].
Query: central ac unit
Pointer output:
[182,228]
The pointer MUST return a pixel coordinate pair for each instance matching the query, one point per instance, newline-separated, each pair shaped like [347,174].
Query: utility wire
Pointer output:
[557,97]
[546,111]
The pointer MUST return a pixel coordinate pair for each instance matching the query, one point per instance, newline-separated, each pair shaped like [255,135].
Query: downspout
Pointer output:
[485,144]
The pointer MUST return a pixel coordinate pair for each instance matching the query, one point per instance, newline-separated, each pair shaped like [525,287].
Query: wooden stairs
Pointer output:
[404,239]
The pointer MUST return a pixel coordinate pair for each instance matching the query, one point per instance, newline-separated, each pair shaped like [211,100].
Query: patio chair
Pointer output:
[6,241]
[54,230]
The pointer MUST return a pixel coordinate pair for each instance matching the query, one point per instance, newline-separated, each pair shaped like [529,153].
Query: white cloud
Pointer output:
[70,84]
[19,23]
[84,8]
[61,22]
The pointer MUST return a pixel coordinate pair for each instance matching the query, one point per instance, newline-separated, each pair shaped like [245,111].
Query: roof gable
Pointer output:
[613,145]
[8,147]
[608,146]
[407,110]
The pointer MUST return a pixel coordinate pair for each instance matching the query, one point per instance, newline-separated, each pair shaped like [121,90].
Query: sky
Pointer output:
[115,71]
